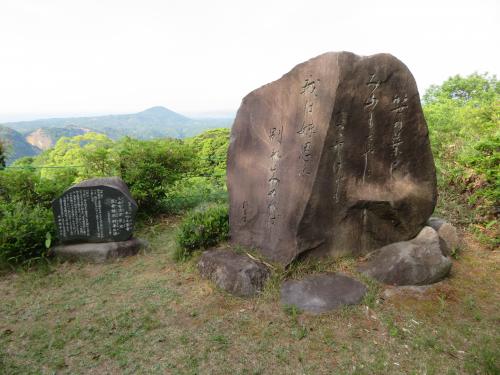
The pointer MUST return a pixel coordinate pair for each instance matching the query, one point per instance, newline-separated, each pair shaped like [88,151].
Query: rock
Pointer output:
[331,159]
[235,273]
[98,252]
[95,210]
[448,235]
[415,262]
[323,292]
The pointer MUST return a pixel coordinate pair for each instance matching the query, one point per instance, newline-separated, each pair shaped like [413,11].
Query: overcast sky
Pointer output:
[60,57]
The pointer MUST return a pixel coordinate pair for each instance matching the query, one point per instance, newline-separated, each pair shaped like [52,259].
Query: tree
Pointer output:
[88,155]
[150,168]
[2,155]
[463,115]
[461,111]
[211,153]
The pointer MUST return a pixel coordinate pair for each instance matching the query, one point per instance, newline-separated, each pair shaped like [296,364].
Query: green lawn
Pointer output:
[148,314]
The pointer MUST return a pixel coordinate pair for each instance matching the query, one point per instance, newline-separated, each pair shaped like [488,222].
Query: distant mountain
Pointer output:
[45,138]
[155,122]
[17,147]
[152,123]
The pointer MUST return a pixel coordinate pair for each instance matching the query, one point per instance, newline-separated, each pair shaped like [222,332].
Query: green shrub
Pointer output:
[211,150]
[149,168]
[463,117]
[191,192]
[27,186]
[23,231]
[201,228]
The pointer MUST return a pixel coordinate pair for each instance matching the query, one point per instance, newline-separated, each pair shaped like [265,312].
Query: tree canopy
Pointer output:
[463,115]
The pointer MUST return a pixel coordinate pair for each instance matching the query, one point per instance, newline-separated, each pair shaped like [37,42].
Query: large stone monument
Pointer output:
[95,220]
[331,159]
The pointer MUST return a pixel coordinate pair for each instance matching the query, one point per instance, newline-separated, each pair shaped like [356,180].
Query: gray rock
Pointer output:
[235,273]
[448,235]
[415,262]
[98,252]
[333,158]
[321,293]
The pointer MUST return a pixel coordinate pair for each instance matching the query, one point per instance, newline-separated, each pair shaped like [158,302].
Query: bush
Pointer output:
[211,150]
[201,228]
[28,187]
[462,115]
[23,231]
[149,168]
[191,192]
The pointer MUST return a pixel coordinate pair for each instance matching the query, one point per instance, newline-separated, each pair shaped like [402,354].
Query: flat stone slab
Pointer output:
[98,252]
[322,293]
[416,262]
[235,273]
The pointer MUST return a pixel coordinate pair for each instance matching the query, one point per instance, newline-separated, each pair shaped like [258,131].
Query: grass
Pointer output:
[149,314]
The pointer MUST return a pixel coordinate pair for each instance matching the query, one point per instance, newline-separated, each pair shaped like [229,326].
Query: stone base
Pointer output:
[449,238]
[98,252]
[416,262]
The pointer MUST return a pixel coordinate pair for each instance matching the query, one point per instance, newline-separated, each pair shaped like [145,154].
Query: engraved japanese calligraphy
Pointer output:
[307,128]
[275,139]
[98,210]
[333,158]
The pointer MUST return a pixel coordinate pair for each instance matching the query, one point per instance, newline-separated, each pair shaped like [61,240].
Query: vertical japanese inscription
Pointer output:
[309,92]
[338,148]
[93,213]
[370,103]
[275,140]
[399,107]
[244,209]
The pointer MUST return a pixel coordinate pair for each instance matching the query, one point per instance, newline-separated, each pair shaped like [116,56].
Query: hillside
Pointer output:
[154,122]
[17,146]
[45,138]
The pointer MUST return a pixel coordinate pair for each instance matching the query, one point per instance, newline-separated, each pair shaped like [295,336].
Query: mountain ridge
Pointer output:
[157,116]
[16,146]
[154,122]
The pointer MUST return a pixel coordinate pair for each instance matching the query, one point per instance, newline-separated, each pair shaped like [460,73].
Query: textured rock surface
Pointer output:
[334,157]
[415,262]
[448,235]
[235,273]
[321,293]
[98,252]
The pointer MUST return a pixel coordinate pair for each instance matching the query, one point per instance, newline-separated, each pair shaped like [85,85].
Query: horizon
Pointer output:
[88,58]
[8,118]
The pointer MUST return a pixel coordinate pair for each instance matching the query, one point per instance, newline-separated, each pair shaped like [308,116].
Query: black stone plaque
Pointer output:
[95,210]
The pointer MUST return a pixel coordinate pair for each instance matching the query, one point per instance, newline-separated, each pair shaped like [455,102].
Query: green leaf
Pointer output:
[48,240]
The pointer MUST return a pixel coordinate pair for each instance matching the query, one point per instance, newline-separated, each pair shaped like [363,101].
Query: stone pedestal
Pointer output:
[98,252]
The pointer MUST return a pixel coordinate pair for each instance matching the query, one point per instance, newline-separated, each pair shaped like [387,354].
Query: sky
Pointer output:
[200,58]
